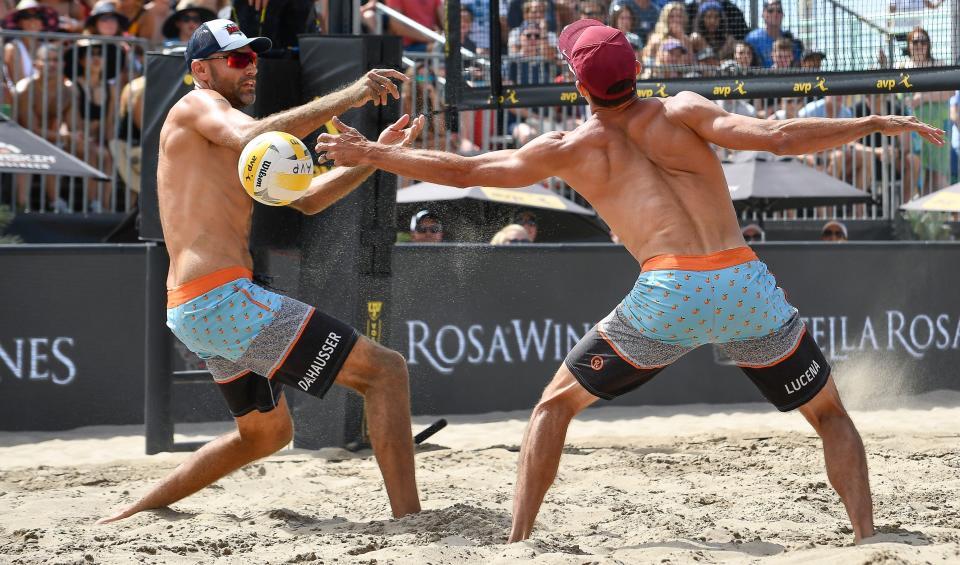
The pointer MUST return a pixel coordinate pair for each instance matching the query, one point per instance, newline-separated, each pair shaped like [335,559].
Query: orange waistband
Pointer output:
[190,290]
[710,262]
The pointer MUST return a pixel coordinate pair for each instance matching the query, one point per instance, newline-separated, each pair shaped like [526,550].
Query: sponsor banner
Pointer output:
[734,87]
[484,329]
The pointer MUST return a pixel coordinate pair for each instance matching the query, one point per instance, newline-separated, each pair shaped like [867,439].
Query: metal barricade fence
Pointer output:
[82,93]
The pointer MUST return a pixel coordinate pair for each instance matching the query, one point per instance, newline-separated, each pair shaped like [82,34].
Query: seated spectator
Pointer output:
[528,220]
[517,13]
[812,61]
[533,61]
[425,227]
[534,18]
[670,62]
[671,25]
[96,68]
[752,233]
[466,24]
[510,235]
[180,25]
[105,20]
[919,50]
[834,231]
[745,56]
[18,54]
[783,55]
[70,14]
[711,30]
[39,111]
[592,10]
[733,21]
[480,30]
[762,39]
[644,15]
[622,19]
[708,63]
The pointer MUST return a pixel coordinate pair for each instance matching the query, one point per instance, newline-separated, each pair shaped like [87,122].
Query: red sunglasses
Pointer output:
[237,59]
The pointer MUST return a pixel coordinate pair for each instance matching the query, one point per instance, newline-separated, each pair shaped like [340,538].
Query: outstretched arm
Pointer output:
[539,159]
[328,188]
[796,136]
[214,118]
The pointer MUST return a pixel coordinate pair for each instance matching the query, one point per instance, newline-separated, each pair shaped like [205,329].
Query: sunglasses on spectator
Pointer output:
[775,10]
[429,229]
[532,35]
[237,59]
[919,41]
[518,241]
[837,233]
[752,237]
[195,18]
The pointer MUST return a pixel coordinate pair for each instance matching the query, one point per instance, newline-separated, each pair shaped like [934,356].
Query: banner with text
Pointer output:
[485,329]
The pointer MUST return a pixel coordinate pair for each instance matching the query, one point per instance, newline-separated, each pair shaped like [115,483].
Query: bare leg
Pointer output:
[542,446]
[380,375]
[258,435]
[844,456]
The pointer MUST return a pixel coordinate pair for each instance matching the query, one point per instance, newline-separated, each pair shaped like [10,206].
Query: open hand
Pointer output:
[895,125]
[397,134]
[345,149]
[377,86]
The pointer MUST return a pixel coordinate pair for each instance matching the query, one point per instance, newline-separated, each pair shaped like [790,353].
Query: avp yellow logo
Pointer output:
[645,92]
[569,96]
[890,83]
[738,87]
[807,87]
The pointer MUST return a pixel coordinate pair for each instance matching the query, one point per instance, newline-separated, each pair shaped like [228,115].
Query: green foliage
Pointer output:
[928,226]
[6,216]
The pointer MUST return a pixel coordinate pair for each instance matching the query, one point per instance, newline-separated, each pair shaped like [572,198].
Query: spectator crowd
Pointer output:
[86,94]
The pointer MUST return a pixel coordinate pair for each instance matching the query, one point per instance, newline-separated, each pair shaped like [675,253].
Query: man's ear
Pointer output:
[639,68]
[582,91]
[199,71]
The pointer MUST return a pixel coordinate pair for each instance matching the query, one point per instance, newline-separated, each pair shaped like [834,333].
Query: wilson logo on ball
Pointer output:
[275,168]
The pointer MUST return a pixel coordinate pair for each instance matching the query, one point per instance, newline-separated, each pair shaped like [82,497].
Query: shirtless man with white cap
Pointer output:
[253,340]
[648,168]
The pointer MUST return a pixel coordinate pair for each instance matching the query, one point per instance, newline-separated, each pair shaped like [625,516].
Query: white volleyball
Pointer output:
[275,168]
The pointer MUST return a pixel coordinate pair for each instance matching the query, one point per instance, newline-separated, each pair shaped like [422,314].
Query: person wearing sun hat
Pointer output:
[180,25]
[18,53]
[104,19]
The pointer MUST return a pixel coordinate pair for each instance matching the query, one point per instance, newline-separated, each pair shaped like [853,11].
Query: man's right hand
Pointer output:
[896,125]
[377,86]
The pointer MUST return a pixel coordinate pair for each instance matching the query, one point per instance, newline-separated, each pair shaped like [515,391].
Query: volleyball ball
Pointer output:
[275,168]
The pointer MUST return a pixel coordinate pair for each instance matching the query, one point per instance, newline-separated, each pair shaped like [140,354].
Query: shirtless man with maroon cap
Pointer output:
[648,168]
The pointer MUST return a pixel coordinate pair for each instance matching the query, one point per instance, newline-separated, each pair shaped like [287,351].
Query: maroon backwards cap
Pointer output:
[600,56]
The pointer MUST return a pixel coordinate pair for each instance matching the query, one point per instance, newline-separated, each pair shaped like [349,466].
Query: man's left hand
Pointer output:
[350,147]
[399,134]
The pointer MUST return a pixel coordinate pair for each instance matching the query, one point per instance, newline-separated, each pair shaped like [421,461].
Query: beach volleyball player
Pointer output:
[252,339]
[648,168]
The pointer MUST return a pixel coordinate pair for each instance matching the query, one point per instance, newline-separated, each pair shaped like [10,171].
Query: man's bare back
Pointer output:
[658,186]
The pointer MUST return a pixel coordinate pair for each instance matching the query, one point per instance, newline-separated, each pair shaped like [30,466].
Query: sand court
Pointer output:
[677,484]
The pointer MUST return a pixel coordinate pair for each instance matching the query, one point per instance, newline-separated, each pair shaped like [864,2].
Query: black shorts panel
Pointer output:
[314,361]
[795,380]
[251,392]
[600,369]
